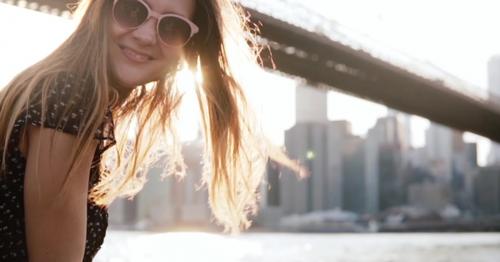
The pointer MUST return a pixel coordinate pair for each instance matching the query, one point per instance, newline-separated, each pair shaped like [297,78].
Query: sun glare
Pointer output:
[188,116]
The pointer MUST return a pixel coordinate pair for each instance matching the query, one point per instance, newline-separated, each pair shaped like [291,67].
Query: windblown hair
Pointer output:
[235,152]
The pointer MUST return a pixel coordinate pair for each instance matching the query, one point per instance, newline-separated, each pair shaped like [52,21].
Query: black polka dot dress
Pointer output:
[12,228]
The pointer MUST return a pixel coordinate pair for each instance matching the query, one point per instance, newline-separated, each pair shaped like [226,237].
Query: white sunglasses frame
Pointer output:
[151,13]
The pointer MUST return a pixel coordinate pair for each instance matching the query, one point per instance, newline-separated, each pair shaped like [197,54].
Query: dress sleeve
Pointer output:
[67,108]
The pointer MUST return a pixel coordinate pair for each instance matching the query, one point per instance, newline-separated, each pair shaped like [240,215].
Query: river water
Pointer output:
[292,247]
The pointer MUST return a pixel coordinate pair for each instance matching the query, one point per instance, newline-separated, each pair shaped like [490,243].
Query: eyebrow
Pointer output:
[163,11]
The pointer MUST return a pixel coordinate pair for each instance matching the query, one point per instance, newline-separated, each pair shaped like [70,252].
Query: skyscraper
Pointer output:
[487,190]
[354,187]
[494,88]
[383,156]
[168,202]
[270,211]
[494,75]
[318,144]
[439,147]
[320,148]
[310,105]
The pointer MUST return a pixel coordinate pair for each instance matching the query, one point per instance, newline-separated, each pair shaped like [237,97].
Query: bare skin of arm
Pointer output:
[55,226]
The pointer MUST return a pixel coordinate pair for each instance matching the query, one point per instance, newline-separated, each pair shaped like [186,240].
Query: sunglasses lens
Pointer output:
[174,31]
[130,13]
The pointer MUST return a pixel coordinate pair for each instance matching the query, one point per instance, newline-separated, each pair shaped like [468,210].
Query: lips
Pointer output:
[134,55]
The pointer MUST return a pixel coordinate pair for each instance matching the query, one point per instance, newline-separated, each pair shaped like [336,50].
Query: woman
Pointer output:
[65,123]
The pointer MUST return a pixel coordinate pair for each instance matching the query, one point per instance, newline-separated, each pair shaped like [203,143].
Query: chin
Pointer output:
[127,79]
[122,82]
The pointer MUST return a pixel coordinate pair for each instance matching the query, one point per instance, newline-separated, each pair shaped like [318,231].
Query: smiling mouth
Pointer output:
[134,56]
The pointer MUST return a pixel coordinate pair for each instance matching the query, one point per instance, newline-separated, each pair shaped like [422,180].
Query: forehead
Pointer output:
[181,7]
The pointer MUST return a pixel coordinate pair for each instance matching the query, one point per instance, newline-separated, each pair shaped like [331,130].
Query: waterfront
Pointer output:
[286,247]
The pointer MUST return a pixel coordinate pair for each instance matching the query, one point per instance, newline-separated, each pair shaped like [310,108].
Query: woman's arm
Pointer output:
[55,229]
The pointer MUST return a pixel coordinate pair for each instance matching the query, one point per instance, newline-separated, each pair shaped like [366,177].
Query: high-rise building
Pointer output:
[304,142]
[441,141]
[123,213]
[150,209]
[487,190]
[402,129]
[468,183]
[270,210]
[494,154]
[317,143]
[494,75]
[428,195]
[494,88]
[191,199]
[339,142]
[319,147]
[391,177]
[383,172]
[373,140]
[452,162]
[310,105]
[273,189]
[418,157]
[354,185]
[168,202]
[464,164]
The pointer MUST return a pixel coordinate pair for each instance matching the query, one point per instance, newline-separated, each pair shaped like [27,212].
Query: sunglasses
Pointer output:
[173,30]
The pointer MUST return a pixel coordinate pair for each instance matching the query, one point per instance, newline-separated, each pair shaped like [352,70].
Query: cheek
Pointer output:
[116,32]
[170,59]
[172,56]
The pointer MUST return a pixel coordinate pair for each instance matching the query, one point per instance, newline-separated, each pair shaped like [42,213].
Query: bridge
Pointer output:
[324,54]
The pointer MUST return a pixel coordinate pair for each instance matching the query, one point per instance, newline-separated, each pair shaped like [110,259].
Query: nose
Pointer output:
[146,33]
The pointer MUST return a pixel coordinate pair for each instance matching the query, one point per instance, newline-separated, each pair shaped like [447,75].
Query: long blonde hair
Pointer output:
[235,151]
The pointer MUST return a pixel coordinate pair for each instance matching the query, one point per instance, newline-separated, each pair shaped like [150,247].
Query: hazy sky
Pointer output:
[456,35]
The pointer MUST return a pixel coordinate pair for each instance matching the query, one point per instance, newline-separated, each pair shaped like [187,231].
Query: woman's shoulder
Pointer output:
[62,88]
[65,104]
[78,91]
[71,84]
